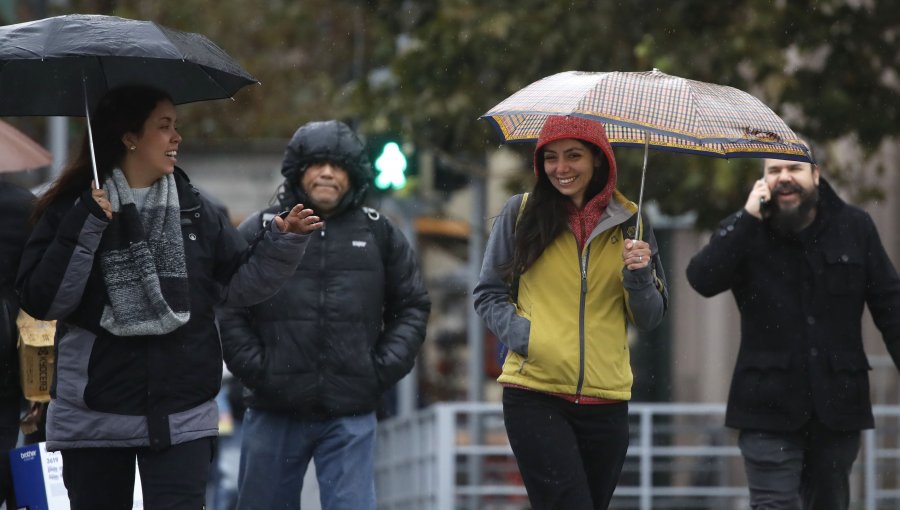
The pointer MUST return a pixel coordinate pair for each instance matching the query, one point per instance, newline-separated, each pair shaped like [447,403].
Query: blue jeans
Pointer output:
[276,451]
[807,468]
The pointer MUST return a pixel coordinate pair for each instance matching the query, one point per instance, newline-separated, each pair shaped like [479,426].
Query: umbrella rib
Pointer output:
[214,81]
[694,105]
[102,67]
[36,54]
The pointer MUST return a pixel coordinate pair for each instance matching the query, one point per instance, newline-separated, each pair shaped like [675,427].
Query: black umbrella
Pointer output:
[65,64]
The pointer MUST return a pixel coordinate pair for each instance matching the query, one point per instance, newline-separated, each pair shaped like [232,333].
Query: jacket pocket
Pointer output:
[514,363]
[519,333]
[762,382]
[849,381]
[844,272]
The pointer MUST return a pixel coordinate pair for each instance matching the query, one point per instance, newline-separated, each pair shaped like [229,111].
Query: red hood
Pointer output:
[558,127]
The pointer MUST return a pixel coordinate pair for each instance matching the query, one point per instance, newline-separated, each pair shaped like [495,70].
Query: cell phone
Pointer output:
[766,207]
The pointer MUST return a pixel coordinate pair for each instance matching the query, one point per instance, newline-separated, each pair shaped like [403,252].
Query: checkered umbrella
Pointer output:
[679,114]
[653,110]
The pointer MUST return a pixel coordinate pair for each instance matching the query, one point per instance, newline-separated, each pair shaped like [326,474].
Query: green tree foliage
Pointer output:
[300,51]
[828,67]
[428,69]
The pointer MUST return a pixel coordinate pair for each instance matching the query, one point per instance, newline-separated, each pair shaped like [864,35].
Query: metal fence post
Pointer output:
[869,473]
[646,439]
[445,416]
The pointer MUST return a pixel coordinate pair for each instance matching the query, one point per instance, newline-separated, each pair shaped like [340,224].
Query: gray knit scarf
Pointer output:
[142,260]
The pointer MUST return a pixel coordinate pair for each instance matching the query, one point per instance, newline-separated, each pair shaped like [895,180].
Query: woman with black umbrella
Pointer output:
[132,272]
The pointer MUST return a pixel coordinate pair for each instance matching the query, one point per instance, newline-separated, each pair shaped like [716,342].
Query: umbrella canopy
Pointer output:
[52,66]
[676,113]
[18,152]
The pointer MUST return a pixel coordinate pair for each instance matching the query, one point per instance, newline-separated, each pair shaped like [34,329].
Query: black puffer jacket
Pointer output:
[351,320]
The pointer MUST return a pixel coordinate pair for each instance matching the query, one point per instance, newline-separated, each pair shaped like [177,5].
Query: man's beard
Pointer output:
[794,219]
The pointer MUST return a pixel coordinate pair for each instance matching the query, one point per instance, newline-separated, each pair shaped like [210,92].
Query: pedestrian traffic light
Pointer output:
[390,164]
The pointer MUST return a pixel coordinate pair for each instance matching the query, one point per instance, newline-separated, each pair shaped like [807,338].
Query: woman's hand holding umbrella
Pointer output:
[99,196]
[636,254]
[298,221]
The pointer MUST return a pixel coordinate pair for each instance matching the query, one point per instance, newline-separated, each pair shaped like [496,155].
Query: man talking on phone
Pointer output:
[801,264]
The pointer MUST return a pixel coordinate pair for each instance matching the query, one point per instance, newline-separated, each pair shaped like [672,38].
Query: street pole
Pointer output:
[399,210]
[408,386]
[57,134]
[476,252]
[476,328]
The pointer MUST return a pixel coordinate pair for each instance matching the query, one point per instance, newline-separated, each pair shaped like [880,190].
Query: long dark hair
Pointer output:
[546,214]
[122,110]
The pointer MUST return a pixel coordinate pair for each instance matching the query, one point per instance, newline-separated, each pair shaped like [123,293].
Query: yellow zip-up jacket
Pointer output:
[567,333]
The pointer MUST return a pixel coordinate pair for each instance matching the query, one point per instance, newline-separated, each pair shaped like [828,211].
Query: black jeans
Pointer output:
[171,479]
[9,435]
[569,455]
[807,468]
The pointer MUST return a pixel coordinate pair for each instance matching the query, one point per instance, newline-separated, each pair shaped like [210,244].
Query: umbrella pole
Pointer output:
[87,114]
[639,231]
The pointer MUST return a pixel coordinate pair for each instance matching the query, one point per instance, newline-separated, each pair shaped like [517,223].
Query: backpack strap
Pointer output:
[522,207]
[629,228]
[514,284]
[265,218]
[380,231]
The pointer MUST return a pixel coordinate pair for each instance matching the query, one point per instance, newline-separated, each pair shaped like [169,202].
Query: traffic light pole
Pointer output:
[398,210]
[476,328]
[476,253]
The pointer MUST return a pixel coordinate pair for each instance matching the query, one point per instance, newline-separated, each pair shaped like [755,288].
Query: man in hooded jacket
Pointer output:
[356,320]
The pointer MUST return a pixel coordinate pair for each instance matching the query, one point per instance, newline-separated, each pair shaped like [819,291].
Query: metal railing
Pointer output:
[454,456]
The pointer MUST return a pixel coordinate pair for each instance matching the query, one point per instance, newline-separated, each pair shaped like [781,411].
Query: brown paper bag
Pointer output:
[36,356]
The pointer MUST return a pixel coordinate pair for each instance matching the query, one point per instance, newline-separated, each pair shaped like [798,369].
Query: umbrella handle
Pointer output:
[87,114]
[639,230]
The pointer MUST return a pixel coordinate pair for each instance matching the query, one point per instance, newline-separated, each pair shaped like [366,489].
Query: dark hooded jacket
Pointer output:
[801,299]
[152,390]
[15,210]
[350,322]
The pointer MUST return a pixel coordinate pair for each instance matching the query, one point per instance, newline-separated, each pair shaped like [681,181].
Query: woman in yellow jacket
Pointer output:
[562,277]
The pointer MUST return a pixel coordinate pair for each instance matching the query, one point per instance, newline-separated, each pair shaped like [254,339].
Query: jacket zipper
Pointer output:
[583,259]
[321,276]
[322,257]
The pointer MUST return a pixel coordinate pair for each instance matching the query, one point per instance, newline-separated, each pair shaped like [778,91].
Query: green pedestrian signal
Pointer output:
[391,166]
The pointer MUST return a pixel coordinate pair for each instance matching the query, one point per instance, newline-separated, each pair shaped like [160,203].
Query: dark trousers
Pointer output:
[569,455]
[172,479]
[9,435]
[807,468]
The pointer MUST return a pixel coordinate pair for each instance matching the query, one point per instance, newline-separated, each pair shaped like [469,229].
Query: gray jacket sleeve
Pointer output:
[58,258]
[647,289]
[493,301]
